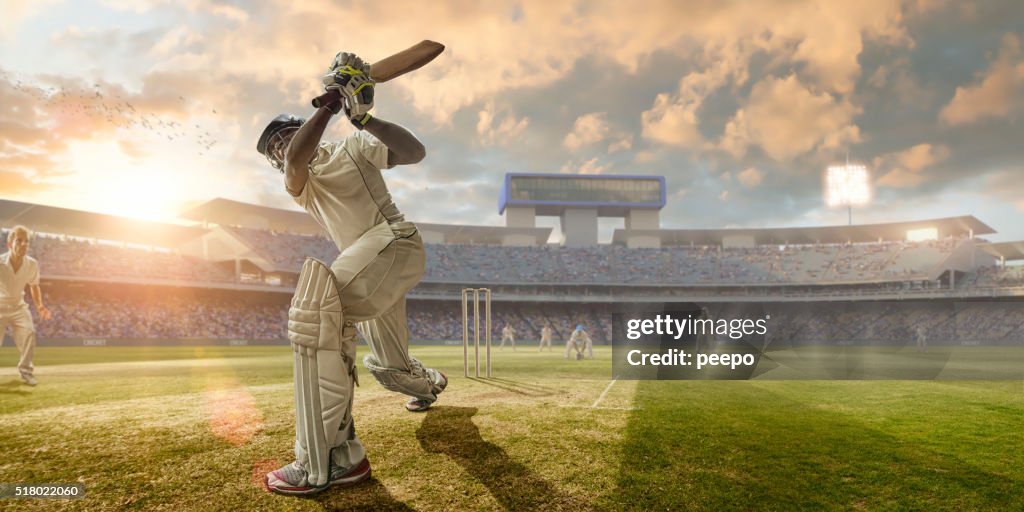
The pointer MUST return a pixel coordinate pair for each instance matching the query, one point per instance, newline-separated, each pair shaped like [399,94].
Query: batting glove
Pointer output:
[351,60]
[356,88]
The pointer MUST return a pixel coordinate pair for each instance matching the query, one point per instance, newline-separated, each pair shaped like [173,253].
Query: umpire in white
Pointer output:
[382,257]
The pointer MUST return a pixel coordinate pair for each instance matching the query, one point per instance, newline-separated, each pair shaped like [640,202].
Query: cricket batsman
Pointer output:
[580,341]
[342,186]
[17,270]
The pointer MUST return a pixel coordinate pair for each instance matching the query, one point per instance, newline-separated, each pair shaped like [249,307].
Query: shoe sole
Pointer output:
[445,377]
[302,491]
[424,409]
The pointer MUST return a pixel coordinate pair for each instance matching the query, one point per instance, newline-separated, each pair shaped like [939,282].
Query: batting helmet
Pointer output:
[273,130]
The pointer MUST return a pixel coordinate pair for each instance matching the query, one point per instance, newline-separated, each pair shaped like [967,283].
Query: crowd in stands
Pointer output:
[941,322]
[686,265]
[133,315]
[137,313]
[606,263]
[80,258]
[994,276]
[491,265]
[286,250]
[442,320]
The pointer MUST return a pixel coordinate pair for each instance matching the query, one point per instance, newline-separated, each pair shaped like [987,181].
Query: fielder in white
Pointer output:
[545,337]
[508,334]
[17,270]
[382,257]
[579,341]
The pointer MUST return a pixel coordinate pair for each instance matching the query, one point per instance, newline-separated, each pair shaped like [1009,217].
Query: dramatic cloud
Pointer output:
[786,118]
[998,93]
[750,177]
[673,122]
[904,168]
[1008,185]
[591,166]
[832,39]
[587,129]
[623,144]
[592,128]
[503,132]
[728,102]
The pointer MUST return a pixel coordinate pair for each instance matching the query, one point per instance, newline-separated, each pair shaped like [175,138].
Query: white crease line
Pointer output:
[605,392]
[601,408]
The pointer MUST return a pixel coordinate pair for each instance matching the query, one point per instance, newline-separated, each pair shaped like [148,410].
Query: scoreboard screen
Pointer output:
[548,189]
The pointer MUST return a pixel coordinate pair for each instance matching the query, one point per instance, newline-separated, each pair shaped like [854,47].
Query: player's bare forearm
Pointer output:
[37,296]
[302,148]
[403,147]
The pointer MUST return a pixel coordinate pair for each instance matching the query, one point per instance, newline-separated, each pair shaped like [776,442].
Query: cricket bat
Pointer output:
[407,60]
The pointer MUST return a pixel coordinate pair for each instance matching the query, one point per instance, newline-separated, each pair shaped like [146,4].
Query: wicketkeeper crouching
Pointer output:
[579,341]
[341,185]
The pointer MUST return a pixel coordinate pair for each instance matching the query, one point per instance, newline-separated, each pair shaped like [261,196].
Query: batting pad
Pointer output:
[324,369]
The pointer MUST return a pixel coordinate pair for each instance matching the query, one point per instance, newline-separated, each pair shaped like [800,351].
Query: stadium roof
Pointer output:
[485,235]
[1007,250]
[52,219]
[235,213]
[858,233]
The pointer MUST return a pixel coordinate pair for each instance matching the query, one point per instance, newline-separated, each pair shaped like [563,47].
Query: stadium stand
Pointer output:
[133,312]
[137,288]
[813,264]
[544,264]
[80,258]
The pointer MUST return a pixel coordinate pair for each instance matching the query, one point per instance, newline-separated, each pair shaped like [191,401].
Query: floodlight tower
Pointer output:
[847,185]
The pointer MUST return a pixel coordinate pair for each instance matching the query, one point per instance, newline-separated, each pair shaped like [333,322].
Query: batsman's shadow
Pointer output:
[451,431]
[14,387]
[368,495]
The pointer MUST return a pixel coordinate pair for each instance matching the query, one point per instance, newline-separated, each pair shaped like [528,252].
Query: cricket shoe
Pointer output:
[422,404]
[30,380]
[293,480]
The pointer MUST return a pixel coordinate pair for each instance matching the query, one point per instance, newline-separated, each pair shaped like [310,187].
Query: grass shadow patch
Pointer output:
[451,431]
[14,387]
[733,446]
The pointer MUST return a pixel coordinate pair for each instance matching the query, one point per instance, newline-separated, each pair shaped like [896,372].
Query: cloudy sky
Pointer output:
[140,107]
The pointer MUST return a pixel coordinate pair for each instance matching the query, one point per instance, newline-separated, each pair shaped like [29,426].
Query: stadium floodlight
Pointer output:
[847,185]
[923,234]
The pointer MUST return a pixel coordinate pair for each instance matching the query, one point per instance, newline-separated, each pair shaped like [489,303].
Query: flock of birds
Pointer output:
[62,101]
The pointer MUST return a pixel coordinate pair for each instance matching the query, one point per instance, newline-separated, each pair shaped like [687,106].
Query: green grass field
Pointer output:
[196,429]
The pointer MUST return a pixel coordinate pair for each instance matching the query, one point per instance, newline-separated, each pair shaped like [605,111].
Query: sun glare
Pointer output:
[107,181]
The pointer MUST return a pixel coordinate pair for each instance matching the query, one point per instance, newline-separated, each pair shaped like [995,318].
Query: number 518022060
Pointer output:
[58,491]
